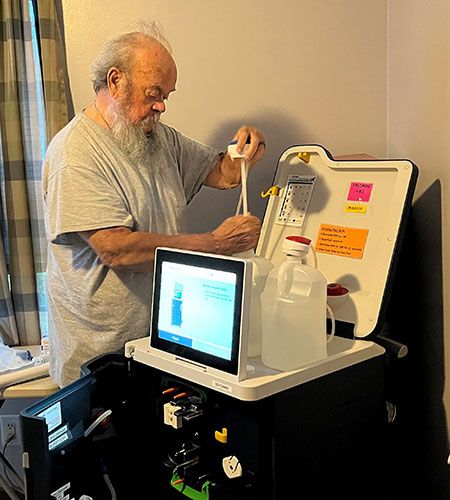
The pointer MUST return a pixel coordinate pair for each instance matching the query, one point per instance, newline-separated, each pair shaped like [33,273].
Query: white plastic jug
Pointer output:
[261,269]
[294,303]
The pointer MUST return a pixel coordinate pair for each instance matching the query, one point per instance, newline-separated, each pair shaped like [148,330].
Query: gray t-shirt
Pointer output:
[90,183]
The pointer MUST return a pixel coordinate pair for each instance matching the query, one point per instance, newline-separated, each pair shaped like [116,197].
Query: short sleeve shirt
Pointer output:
[90,183]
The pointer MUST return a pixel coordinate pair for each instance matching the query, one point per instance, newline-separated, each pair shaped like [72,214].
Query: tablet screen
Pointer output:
[197,307]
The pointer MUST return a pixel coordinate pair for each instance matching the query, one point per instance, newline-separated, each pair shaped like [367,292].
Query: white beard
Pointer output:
[137,143]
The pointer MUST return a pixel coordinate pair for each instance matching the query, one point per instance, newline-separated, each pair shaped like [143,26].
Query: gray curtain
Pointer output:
[24,133]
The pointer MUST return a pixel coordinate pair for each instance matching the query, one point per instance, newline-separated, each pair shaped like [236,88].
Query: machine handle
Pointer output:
[398,349]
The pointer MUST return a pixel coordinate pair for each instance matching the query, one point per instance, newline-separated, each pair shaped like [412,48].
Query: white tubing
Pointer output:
[239,205]
[97,422]
[311,247]
[244,186]
[243,199]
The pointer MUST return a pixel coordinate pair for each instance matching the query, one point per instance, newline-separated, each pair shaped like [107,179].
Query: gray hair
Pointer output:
[118,52]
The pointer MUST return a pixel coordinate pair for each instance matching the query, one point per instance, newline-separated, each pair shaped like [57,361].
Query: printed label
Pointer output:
[360,191]
[342,241]
[221,386]
[355,209]
[296,200]
[56,442]
[58,433]
[52,416]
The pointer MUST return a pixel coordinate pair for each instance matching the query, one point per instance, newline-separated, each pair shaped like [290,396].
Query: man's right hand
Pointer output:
[237,234]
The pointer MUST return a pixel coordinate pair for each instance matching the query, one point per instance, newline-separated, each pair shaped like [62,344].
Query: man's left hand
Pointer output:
[257,146]
[227,172]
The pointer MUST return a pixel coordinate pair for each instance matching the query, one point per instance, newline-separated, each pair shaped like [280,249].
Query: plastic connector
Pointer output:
[232,467]
[170,417]
[232,150]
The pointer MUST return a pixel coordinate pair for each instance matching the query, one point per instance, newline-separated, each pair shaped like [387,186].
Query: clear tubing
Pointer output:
[311,247]
[110,486]
[333,324]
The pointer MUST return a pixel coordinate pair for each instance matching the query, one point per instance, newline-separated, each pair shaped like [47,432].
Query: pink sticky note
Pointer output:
[360,191]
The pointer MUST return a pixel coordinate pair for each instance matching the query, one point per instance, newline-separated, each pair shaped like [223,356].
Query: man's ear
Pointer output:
[113,79]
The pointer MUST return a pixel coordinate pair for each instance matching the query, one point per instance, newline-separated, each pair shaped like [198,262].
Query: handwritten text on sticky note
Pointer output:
[360,191]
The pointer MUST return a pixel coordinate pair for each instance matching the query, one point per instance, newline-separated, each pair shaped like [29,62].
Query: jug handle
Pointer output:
[284,268]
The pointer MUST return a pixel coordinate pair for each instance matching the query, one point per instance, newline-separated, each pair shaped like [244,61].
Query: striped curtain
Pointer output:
[50,30]
[24,133]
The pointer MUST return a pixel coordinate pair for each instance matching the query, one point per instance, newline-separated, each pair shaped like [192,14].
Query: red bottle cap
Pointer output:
[299,239]
[336,290]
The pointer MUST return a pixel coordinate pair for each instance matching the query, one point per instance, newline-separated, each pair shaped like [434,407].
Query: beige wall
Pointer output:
[419,128]
[302,71]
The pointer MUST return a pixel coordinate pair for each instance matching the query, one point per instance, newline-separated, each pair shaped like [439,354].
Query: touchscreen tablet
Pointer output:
[197,308]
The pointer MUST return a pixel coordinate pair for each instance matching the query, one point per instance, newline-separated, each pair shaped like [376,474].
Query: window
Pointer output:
[40,274]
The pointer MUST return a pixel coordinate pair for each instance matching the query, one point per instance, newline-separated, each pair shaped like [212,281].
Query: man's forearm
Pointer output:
[122,249]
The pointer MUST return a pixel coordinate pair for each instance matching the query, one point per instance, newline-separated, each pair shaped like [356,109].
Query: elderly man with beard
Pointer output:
[116,186]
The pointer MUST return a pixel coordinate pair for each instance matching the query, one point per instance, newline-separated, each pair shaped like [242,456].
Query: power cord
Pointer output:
[8,489]
[5,481]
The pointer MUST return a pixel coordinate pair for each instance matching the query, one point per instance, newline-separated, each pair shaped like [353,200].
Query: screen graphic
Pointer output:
[196,308]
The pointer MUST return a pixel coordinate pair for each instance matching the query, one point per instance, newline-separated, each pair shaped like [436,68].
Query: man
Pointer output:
[116,186]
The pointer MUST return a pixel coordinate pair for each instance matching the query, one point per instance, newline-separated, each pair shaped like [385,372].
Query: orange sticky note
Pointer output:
[343,241]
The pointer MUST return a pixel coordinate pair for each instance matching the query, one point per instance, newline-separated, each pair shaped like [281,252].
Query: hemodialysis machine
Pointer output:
[185,412]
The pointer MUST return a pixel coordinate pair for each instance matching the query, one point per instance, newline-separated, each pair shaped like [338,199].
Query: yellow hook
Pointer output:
[222,437]
[274,190]
[305,157]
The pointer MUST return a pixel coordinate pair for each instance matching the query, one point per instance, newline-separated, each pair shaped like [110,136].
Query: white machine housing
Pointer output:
[354,211]
[316,195]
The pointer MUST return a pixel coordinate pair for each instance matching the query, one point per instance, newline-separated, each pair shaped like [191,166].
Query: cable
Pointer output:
[8,467]
[8,440]
[192,461]
[172,460]
[8,489]
[96,422]
[110,486]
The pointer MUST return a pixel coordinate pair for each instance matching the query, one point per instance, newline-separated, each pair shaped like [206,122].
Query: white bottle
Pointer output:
[294,310]
[261,269]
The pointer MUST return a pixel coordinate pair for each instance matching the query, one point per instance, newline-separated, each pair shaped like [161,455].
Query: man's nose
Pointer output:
[159,106]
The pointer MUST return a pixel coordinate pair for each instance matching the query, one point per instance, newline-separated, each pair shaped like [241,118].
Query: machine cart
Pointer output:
[136,425]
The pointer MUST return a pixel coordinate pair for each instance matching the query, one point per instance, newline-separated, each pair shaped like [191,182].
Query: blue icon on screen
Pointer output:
[177,305]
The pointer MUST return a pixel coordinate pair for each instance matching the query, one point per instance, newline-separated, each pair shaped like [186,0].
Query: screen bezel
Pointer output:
[208,261]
